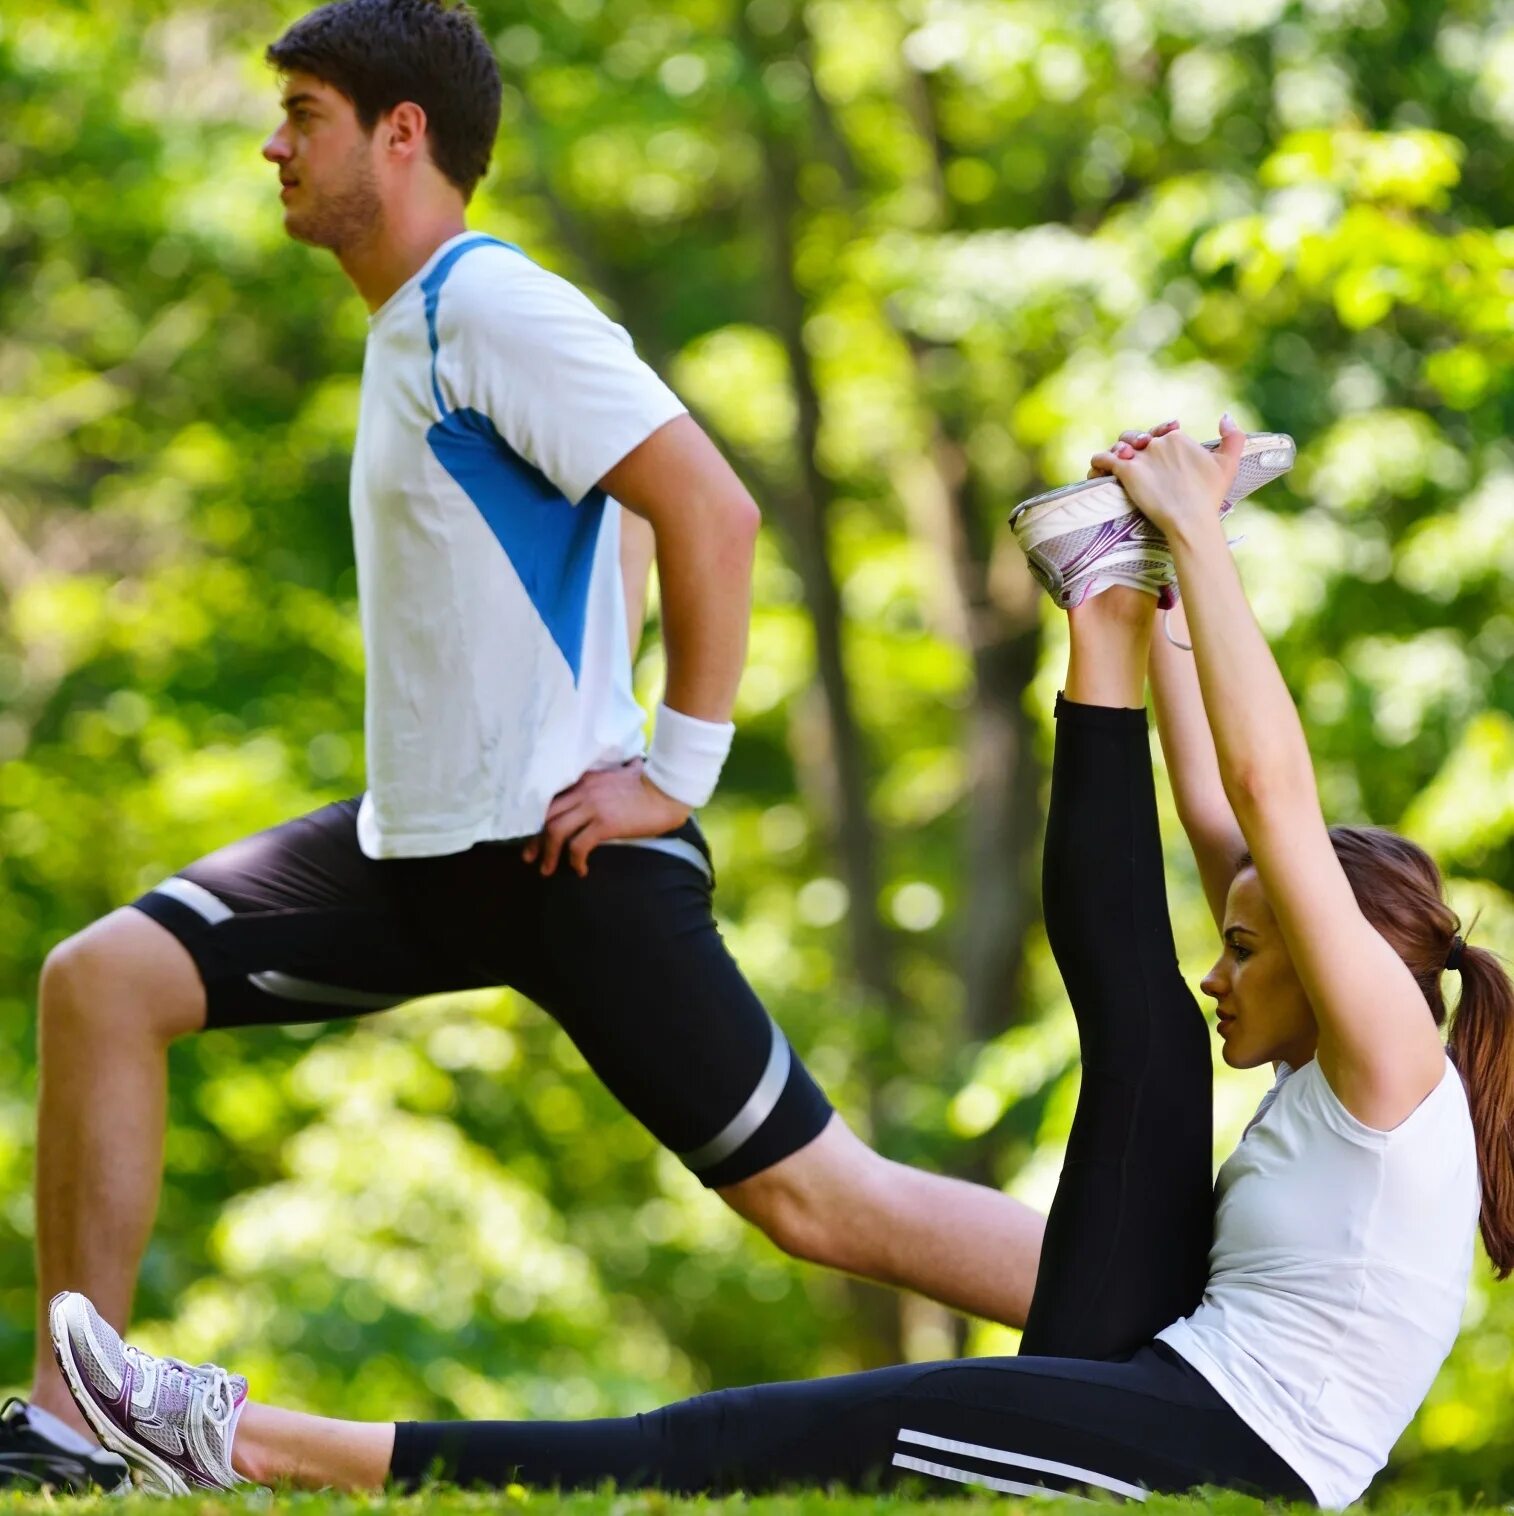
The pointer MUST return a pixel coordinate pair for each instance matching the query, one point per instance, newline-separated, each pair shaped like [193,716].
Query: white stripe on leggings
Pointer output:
[968,1476]
[1025,1461]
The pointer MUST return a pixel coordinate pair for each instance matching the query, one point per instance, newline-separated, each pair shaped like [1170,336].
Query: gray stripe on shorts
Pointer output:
[674,847]
[749,1118]
[312,992]
[208,907]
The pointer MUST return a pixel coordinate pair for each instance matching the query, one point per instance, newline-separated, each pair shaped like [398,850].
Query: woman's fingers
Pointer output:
[1127,445]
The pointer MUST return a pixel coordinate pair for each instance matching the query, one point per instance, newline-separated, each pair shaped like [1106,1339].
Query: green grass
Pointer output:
[452,1502]
[465,1503]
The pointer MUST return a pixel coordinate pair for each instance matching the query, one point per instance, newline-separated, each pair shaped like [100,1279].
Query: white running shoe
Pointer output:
[172,1423]
[1083,538]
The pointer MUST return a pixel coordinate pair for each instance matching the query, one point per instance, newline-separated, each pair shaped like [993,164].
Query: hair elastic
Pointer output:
[1453,958]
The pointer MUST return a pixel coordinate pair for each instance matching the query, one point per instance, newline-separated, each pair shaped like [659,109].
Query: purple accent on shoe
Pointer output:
[119,1414]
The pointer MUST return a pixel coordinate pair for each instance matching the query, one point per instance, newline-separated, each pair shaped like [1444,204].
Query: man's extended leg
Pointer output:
[112,999]
[630,961]
[838,1203]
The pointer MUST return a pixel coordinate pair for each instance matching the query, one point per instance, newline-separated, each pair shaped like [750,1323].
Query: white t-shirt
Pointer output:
[495,397]
[1338,1275]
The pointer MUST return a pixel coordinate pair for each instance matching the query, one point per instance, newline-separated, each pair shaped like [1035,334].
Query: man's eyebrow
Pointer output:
[304,97]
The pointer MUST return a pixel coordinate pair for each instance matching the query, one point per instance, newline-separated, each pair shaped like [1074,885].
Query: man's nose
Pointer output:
[276,149]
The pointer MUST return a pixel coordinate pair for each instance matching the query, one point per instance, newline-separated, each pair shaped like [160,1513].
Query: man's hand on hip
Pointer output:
[604,804]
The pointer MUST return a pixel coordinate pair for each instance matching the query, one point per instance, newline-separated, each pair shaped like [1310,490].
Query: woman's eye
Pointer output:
[1241,954]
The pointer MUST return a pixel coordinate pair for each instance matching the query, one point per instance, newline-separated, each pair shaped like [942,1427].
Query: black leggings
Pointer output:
[1092,1402]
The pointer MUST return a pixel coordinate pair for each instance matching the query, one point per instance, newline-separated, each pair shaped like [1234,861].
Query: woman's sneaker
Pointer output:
[172,1423]
[1085,537]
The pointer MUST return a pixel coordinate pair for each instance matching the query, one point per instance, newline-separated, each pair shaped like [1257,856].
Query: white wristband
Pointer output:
[687,755]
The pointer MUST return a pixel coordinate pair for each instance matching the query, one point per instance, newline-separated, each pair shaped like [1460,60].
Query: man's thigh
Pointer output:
[630,962]
[296,924]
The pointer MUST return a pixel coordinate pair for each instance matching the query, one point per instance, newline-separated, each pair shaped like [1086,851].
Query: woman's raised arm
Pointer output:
[1214,836]
[1193,769]
[1378,1046]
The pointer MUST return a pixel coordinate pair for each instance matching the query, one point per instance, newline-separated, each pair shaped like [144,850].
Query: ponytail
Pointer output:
[1399,890]
[1481,1044]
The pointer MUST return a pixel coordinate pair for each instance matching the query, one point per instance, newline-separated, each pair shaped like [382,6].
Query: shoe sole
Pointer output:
[1257,444]
[167,1480]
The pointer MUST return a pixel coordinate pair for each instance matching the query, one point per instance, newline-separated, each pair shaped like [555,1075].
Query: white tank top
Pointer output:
[1338,1275]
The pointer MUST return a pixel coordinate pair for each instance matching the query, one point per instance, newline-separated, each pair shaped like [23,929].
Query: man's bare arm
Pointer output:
[705,527]
[638,548]
[705,524]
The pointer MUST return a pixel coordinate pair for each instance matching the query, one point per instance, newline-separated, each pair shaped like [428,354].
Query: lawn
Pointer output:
[442,1499]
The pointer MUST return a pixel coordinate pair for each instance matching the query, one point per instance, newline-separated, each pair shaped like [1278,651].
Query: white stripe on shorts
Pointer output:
[208,907]
[1025,1461]
[758,1107]
[310,991]
[674,847]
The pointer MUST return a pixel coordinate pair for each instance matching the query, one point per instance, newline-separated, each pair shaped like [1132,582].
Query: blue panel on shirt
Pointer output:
[549,541]
[431,288]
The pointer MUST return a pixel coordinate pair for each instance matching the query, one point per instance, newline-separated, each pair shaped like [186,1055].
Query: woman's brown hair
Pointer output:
[1399,890]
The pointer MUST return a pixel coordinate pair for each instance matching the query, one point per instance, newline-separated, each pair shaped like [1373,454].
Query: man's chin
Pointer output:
[303,231]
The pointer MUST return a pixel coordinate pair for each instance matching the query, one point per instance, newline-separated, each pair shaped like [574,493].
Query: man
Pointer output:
[513,832]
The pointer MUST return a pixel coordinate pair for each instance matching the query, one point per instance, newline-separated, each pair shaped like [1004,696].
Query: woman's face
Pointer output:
[1263,1013]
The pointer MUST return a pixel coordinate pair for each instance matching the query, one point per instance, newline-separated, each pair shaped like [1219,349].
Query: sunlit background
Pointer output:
[910,261]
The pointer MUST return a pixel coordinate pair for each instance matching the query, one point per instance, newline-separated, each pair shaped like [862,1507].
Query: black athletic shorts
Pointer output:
[298,924]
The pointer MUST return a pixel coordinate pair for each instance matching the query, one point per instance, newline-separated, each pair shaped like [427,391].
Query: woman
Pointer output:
[1284,1359]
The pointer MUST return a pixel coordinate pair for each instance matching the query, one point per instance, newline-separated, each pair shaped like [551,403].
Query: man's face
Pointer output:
[325,164]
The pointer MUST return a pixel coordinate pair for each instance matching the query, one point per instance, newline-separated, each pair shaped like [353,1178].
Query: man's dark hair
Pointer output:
[379,53]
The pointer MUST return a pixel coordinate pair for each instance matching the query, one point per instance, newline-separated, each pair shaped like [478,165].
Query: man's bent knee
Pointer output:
[123,970]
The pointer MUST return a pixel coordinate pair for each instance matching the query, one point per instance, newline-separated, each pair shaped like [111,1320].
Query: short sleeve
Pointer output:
[561,382]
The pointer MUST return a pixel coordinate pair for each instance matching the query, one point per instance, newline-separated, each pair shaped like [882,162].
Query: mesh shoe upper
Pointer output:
[1087,536]
[174,1424]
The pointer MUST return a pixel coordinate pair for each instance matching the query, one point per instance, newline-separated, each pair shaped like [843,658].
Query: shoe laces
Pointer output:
[218,1400]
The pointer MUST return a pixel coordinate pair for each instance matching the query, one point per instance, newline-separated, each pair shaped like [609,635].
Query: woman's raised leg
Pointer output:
[1128,1236]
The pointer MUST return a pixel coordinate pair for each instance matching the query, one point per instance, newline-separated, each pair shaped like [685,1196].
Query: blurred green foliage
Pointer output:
[1034,223]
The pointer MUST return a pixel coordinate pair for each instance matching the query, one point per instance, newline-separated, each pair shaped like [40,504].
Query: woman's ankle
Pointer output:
[252,1454]
[1109,645]
[1118,605]
[274,1446]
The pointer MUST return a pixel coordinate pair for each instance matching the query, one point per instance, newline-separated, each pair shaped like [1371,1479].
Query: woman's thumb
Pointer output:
[1232,438]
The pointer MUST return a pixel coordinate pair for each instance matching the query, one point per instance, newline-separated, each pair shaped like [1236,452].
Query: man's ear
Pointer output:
[405,129]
